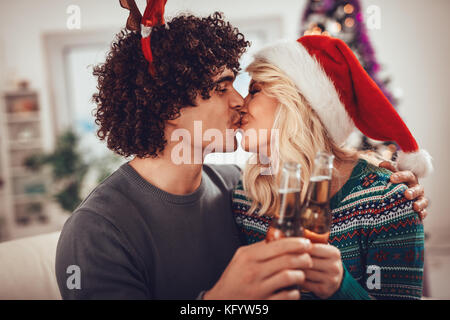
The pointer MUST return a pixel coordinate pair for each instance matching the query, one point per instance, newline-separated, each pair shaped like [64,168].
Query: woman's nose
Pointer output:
[246,101]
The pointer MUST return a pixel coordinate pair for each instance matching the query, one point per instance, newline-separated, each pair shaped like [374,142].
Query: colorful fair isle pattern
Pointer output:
[373,225]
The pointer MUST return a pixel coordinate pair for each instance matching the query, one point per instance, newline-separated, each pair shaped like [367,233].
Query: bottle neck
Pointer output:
[323,164]
[320,181]
[322,172]
[289,190]
[319,189]
[290,178]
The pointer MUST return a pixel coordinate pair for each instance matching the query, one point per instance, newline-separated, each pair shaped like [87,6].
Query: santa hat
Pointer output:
[331,79]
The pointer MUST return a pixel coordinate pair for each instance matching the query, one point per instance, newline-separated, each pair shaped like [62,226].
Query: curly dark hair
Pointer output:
[133,105]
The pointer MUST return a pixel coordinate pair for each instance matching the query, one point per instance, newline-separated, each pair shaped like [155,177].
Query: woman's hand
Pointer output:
[414,192]
[325,276]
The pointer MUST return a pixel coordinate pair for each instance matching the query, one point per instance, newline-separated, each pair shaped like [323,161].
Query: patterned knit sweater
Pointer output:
[380,237]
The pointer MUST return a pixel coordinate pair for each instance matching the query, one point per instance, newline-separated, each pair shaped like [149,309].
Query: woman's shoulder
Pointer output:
[239,197]
[367,182]
[252,225]
[370,195]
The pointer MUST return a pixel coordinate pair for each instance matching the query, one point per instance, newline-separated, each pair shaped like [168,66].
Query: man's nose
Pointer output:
[237,101]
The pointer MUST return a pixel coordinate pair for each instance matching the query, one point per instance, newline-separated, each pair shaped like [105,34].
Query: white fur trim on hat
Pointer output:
[418,162]
[313,83]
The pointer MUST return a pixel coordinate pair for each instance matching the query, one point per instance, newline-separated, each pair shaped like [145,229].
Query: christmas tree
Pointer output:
[343,19]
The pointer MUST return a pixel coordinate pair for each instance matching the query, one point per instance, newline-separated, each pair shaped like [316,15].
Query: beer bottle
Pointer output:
[315,215]
[289,192]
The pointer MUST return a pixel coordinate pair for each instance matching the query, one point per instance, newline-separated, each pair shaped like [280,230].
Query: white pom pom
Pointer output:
[418,162]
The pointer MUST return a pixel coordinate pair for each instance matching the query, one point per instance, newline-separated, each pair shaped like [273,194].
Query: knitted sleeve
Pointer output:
[395,248]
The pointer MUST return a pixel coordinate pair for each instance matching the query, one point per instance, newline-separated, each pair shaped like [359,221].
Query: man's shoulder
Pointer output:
[109,193]
[228,174]
[113,201]
[108,217]
[83,221]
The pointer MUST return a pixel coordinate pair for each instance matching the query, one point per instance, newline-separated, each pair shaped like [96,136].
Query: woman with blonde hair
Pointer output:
[313,93]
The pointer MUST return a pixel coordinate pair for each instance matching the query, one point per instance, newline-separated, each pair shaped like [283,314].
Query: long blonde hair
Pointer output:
[301,136]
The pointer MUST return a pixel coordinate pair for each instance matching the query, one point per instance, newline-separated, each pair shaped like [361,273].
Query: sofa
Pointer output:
[27,268]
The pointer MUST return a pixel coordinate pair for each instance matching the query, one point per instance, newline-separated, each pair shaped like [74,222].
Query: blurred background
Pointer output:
[50,158]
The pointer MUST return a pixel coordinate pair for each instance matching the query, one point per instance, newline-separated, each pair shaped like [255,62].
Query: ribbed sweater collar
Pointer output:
[140,182]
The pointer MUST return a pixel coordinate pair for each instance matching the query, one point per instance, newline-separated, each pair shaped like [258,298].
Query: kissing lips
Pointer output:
[243,121]
[236,120]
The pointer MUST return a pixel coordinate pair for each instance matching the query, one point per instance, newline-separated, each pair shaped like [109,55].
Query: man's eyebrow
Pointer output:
[225,79]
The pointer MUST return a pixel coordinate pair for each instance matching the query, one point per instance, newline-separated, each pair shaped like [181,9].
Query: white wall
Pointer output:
[413,44]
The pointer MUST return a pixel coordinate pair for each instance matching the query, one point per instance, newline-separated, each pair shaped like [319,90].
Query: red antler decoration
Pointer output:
[135,17]
[154,13]
[153,16]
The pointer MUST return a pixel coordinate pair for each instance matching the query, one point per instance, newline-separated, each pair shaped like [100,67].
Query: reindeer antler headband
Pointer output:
[153,16]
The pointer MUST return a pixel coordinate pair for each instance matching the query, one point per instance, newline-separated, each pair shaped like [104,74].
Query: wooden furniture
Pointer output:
[25,194]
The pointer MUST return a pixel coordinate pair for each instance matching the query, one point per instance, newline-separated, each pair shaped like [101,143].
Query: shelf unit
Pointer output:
[26,207]
[3,204]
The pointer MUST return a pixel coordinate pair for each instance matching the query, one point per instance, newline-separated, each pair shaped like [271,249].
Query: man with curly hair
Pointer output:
[155,229]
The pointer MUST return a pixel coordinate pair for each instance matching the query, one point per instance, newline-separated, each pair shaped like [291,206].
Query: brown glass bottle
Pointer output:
[315,215]
[289,192]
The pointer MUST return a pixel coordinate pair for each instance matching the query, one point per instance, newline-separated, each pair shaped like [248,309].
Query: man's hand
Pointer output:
[325,276]
[262,270]
[414,192]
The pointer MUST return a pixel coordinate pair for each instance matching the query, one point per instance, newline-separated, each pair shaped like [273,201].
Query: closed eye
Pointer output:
[222,90]
[254,91]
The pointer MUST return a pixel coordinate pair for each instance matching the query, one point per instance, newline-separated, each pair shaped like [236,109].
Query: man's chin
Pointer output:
[233,146]
[235,128]
[247,145]
[230,145]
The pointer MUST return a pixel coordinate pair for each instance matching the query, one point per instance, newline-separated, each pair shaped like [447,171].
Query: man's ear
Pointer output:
[173,123]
